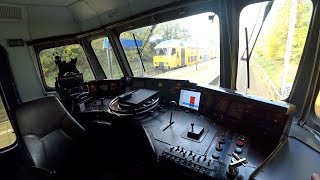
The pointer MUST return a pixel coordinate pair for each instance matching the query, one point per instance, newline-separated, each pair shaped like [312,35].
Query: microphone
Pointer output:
[173,104]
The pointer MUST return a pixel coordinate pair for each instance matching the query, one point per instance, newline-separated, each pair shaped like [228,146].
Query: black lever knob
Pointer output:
[192,124]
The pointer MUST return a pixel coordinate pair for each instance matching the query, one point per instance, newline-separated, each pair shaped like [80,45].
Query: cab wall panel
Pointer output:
[24,72]
[51,21]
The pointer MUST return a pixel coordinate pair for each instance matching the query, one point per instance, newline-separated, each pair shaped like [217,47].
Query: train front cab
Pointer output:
[167,58]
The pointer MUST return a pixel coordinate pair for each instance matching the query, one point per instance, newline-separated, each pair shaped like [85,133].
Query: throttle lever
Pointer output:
[236,156]
[236,161]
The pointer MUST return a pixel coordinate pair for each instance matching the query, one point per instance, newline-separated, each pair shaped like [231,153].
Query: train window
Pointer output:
[50,70]
[173,52]
[277,50]
[106,58]
[317,106]
[7,135]
[173,49]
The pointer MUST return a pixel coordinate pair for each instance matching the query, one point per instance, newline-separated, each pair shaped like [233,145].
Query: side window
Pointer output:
[106,58]
[7,135]
[277,52]
[50,70]
[173,49]
[317,106]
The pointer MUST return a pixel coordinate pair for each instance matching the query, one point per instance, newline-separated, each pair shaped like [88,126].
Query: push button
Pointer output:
[240,143]
[238,150]
[216,155]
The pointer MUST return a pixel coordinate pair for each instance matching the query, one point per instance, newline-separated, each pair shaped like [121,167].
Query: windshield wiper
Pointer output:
[144,39]
[248,58]
[139,53]
[266,12]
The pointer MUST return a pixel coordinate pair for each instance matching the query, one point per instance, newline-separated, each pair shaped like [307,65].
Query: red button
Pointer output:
[239,143]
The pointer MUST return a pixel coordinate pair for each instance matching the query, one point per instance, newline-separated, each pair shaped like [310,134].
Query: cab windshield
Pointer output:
[163,51]
[186,48]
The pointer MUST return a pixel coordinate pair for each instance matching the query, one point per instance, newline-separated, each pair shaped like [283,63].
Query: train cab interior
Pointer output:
[166,89]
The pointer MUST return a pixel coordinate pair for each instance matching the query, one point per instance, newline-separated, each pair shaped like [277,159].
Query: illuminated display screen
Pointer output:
[189,99]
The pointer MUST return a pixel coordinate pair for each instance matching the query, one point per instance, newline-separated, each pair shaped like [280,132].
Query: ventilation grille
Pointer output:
[9,13]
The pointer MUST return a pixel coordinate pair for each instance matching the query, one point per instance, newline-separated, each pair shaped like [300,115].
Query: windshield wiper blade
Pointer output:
[266,12]
[139,53]
[248,58]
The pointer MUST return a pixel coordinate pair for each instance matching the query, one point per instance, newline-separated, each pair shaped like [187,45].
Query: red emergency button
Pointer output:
[239,143]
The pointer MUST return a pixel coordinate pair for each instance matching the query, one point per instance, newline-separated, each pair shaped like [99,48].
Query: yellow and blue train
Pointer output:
[173,54]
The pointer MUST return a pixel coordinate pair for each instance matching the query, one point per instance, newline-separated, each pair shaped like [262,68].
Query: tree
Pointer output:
[273,42]
[271,47]
[172,30]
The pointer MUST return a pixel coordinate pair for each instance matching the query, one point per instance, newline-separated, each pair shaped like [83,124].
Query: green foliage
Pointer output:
[49,68]
[172,30]
[272,43]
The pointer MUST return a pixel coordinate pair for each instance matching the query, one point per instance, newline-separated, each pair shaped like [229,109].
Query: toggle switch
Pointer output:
[219,147]
[205,158]
[171,148]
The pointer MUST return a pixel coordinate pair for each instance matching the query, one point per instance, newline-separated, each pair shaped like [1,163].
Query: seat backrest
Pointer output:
[49,132]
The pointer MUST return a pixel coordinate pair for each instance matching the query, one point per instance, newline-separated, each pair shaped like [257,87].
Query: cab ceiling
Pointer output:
[86,14]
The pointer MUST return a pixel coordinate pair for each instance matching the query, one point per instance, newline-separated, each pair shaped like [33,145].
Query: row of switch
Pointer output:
[187,163]
[185,153]
[211,168]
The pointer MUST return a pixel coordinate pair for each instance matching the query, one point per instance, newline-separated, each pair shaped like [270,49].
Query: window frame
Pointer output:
[314,104]
[92,38]
[287,99]
[39,47]
[312,119]
[4,102]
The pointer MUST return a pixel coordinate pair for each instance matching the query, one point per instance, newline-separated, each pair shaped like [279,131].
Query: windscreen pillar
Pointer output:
[229,39]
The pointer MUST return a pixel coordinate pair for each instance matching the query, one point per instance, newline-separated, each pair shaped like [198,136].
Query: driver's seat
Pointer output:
[53,138]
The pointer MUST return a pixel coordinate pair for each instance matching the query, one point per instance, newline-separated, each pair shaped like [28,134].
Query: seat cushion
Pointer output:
[50,133]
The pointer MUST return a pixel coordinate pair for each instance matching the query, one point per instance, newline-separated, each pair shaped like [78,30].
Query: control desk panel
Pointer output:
[198,131]
[217,152]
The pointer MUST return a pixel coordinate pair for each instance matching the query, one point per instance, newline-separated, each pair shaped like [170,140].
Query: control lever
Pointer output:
[102,101]
[234,155]
[236,161]
[172,104]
